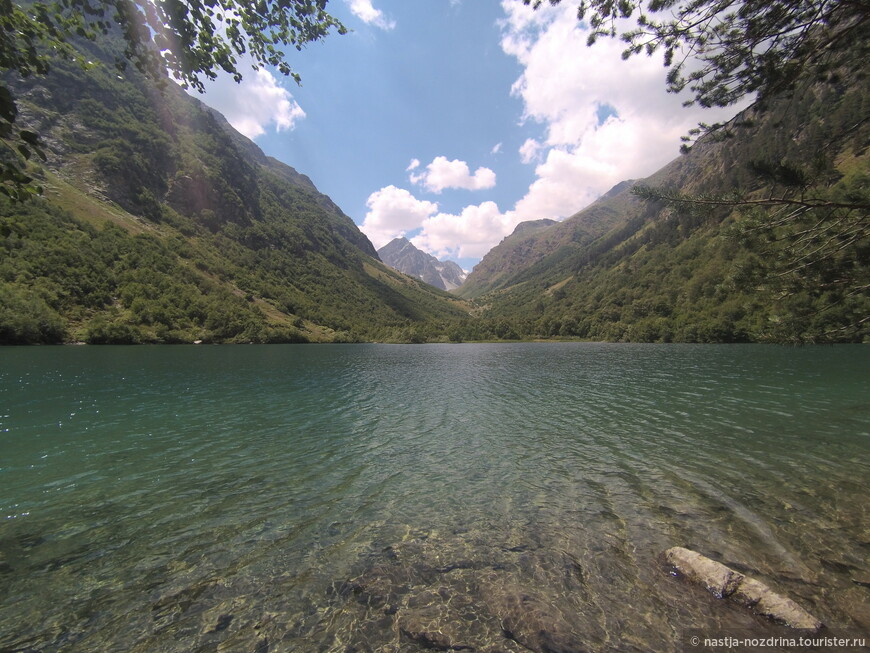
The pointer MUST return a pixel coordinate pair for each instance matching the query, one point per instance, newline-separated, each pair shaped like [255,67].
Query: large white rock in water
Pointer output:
[725,582]
[720,580]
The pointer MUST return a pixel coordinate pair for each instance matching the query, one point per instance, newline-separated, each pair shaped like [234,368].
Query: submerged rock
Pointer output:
[724,582]
[463,592]
[721,581]
[530,622]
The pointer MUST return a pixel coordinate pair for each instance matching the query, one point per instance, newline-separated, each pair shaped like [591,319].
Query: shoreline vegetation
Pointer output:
[521,341]
[126,337]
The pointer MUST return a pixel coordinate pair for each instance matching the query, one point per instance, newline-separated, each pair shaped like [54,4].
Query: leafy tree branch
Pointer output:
[724,50]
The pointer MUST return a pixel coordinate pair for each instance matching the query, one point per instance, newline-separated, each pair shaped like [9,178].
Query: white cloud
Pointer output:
[529,150]
[393,212]
[254,104]
[415,163]
[364,10]
[442,173]
[560,189]
[563,85]
[471,234]
[496,149]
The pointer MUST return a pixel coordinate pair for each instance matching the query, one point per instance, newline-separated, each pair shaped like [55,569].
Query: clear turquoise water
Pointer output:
[364,497]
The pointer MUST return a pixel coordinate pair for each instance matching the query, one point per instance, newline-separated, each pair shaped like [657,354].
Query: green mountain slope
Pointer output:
[160,223]
[534,243]
[631,270]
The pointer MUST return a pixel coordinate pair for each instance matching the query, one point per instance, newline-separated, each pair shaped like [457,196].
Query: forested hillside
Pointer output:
[706,256]
[160,223]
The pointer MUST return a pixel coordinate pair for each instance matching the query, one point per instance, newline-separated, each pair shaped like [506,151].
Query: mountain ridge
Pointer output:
[533,241]
[402,255]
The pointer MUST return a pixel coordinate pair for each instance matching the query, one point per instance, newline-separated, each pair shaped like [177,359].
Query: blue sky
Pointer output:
[451,121]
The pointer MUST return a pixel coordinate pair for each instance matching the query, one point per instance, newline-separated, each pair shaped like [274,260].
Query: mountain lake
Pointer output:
[480,497]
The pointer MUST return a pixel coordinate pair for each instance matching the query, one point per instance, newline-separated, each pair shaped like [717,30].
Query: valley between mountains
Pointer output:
[160,223]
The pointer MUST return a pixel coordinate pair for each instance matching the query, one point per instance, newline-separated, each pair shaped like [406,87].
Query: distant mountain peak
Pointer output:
[619,188]
[401,255]
[533,225]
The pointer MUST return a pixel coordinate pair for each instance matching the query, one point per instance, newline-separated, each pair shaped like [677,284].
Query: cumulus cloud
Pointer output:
[563,87]
[365,11]
[442,173]
[255,104]
[529,150]
[393,212]
[396,213]
[471,234]
[496,149]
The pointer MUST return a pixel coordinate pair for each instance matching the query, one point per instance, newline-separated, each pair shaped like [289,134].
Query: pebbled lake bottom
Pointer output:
[406,498]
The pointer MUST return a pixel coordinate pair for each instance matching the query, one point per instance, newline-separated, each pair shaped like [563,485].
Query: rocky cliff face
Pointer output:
[401,255]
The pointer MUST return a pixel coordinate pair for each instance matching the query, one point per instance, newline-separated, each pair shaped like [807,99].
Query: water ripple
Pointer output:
[175,498]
